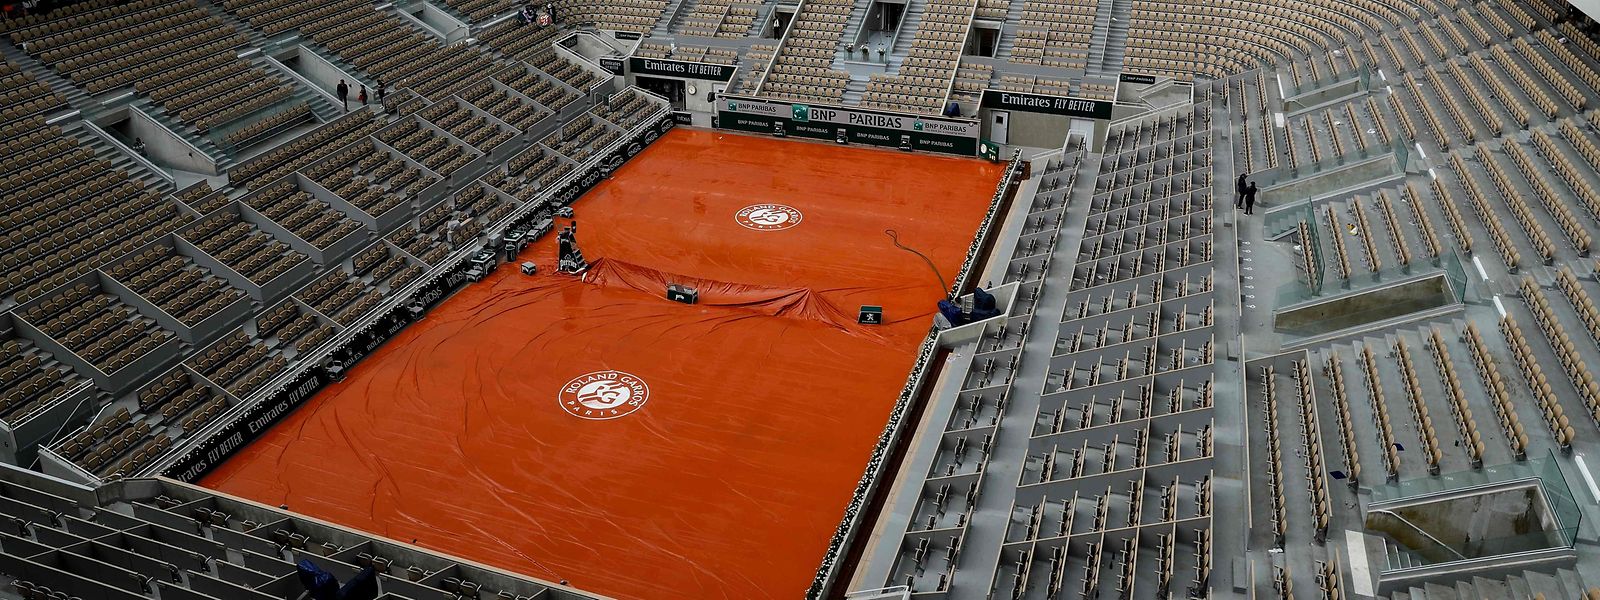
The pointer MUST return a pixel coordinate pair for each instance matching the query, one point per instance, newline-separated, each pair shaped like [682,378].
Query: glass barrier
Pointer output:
[1561,506]
[257,125]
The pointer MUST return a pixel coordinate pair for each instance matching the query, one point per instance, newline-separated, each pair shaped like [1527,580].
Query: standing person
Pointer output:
[380,91]
[1250,199]
[344,94]
[880,50]
[138,146]
[1238,190]
[363,95]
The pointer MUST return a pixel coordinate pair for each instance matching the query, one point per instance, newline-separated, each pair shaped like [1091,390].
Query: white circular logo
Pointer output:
[603,395]
[768,217]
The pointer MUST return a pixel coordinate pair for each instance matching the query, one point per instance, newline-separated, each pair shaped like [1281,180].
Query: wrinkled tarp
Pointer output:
[765,400]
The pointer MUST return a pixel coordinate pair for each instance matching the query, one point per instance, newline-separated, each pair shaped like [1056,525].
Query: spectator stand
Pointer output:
[262,265]
[90,326]
[353,227]
[166,284]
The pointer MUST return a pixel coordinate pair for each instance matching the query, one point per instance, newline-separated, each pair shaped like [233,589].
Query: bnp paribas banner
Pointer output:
[876,128]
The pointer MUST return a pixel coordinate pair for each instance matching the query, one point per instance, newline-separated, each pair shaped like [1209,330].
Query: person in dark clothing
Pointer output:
[344,94]
[1250,199]
[1238,190]
[380,91]
[322,585]
[363,95]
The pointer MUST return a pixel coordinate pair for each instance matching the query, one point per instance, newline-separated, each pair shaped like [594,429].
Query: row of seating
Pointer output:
[1333,370]
[478,11]
[636,16]
[515,40]
[720,18]
[298,211]
[581,138]
[426,248]
[244,248]
[303,150]
[175,283]
[530,172]
[1565,167]
[1417,400]
[926,74]
[439,153]
[813,35]
[461,122]
[1588,389]
[544,91]
[1555,417]
[568,71]
[510,108]
[1274,457]
[1311,445]
[97,326]
[1486,215]
[21,96]
[1380,413]
[1499,396]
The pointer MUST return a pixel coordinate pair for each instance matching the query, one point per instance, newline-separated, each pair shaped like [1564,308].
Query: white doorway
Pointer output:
[1000,126]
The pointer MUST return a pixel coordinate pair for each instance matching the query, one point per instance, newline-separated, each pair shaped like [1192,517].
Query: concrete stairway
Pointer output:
[171,122]
[321,105]
[852,27]
[257,39]
[1008,35]
[75,95]
[908,32]
[1112,47]
[856,88]
[1101,33]
[118,158]
[672,16]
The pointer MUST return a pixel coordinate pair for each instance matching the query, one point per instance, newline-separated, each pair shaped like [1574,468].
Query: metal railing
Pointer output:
[870,480]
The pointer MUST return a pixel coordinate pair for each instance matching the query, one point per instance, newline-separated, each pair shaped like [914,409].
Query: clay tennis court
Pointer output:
[764,400]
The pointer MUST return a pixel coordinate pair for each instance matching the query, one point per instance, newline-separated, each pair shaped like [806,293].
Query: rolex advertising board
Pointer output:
[876,128]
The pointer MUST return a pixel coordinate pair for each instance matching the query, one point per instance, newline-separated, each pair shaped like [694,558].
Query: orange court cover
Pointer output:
[593,431]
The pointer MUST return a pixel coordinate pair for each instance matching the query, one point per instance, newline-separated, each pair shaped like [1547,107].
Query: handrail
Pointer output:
[157,171]
[783,40]
[950,86]
[1414,527]
[854,512]
[315,89]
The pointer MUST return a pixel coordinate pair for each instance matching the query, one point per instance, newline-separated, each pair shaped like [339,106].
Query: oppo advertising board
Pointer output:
[876,128]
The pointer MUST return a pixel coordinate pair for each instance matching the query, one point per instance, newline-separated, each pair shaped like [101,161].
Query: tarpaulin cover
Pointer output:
[764,400]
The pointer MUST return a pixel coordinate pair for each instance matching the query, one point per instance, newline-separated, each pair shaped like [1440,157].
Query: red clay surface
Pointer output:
[764,400]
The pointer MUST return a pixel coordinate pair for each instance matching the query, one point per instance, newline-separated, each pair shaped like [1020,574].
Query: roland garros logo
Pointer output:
[603,395]
[768,217]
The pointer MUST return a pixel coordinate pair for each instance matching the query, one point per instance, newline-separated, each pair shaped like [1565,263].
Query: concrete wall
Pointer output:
[163,146]
[324,74]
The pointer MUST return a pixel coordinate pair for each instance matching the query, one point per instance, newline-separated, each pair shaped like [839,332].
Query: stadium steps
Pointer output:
[117,158]
[1008,34]
[159,113]
[1101,33]
[1110,37]
[852,26]
[76,96]
[321,105]
[672,16]
[856,88]
[908,32]
[257,39]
